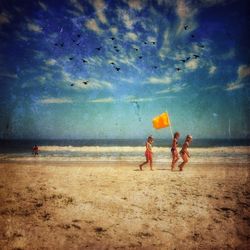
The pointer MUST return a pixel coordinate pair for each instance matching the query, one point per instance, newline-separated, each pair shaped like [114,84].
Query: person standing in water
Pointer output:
[174,151]
[35,150]
[184,152]
[148,153]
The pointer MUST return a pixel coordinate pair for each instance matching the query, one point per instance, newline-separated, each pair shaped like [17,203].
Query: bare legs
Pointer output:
[144,163]
[175,158]
[185,161]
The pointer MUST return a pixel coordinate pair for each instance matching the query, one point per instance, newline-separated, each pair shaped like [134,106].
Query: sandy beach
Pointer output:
[74,205]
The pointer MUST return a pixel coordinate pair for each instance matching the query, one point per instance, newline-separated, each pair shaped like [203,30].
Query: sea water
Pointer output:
[201,150]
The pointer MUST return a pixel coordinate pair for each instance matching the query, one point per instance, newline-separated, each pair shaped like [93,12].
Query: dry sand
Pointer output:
[113,206]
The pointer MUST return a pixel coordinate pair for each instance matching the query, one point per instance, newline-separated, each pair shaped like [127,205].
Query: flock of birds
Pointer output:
[116,48]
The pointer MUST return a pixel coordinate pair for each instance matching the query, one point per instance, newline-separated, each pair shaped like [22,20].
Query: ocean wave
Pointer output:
[238,154]
[95,149]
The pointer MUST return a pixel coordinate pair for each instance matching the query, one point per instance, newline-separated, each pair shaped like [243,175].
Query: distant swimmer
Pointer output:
[35,150]
[184,152]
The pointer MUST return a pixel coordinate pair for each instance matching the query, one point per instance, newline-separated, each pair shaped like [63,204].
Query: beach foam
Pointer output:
[239,154]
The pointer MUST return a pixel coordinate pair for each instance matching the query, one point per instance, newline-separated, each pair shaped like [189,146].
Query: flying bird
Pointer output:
[117,68]
[185,27]
[136,49]
[196,56]
[112,38]
[177,69]
[117,50]
[99,48]
[62,44]
[187,58]
[201,46]
[78,35]
[153,42]
[72,84]
[112,63]
[183,60]
[193,36]
[140,57]
[78,44]
[115,47]
[155,67]
[71,58]
[145,42]
[73,40]
[85,82]
[85,61]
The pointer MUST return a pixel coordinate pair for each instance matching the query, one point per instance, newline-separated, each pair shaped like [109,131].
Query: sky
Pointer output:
[87,69]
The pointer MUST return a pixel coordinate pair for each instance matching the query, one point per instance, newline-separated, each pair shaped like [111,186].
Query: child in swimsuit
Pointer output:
[184,152]
[148,153]
[175,156]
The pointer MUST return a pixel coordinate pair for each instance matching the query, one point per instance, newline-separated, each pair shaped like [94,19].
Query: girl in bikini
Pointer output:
[175,156]
[184,152]
[148,153]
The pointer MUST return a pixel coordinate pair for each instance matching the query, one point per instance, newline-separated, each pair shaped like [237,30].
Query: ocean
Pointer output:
[201,150]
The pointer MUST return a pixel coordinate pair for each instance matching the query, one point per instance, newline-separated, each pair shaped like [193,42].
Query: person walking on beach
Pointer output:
[184,152]
[174,151]
[148,153]
[35,150]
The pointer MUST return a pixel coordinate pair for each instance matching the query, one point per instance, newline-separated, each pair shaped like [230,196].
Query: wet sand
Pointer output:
[115,206]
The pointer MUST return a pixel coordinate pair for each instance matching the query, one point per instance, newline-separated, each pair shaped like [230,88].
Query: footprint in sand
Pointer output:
[100,229]
[76,226]
[144,234]
[46,216]
[64,226]
[76,220]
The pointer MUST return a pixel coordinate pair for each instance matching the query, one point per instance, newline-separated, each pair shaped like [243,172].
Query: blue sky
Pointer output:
[190,58]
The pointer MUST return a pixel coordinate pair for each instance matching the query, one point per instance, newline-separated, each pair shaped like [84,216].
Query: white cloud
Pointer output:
[192,64]
[165,46]
[92,25]
[43,6]
[77,5]
[174,89]
[8,75]
[159,80]
[137,99]
[185,14]
[229,55]
[234,86]
[4,18]
[21,37]
[50,61]
[243,71]
[132,36]
[133,99]
[212,87]
[212,70]
[114,30]
[100,6]
[55,100]
[41,79]
[135,4]
[79,82]
[34,27]
[102,100]
[126,19]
